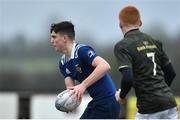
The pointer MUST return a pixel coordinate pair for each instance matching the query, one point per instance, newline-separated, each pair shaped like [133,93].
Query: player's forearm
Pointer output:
[169,73]
[69,82]
[97,74]
[126,82]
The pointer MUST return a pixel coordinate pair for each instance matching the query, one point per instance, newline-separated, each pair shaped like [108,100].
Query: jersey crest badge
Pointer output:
[78,68]
[145,42]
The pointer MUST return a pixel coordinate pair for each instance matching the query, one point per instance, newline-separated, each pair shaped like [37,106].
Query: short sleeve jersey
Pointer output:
[79,67]
[146,58]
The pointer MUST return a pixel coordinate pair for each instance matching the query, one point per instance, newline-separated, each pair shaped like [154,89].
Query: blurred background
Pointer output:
[29,74]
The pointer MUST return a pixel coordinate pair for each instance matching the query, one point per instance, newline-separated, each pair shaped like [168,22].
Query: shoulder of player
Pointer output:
[159,43]
[123,43]
[79,46]
[82,47]
[156,41]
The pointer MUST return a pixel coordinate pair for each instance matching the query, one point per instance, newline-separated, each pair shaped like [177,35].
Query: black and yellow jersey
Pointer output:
[146,57]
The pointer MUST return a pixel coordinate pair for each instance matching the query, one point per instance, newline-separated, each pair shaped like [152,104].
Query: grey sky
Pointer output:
[98,18]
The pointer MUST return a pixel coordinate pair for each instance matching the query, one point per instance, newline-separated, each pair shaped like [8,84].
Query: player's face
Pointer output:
[58,41]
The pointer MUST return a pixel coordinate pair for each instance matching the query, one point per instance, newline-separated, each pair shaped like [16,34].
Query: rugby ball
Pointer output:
[65,102]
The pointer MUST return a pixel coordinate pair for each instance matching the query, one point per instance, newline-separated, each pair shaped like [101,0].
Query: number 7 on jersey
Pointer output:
[152,56]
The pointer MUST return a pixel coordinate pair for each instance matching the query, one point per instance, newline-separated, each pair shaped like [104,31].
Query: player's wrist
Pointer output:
[122,95]
[84,85]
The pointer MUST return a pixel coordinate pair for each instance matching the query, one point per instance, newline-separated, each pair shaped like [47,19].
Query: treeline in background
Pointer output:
[30,66]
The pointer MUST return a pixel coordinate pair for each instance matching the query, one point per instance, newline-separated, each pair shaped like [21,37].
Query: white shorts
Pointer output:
[171,113]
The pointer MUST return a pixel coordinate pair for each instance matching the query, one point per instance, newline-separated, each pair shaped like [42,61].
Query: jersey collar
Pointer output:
[133,31]
[73,50]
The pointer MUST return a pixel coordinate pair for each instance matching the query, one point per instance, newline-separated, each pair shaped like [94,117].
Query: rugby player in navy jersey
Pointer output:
[80,62]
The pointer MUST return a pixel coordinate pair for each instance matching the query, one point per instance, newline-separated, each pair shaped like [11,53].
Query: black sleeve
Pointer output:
[122,56]
[163,56]
[169,73]
[126,82]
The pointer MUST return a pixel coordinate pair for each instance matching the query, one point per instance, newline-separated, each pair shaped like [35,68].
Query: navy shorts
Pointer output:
[107,108]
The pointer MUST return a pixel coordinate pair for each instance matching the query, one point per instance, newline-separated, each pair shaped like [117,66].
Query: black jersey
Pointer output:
[146,58]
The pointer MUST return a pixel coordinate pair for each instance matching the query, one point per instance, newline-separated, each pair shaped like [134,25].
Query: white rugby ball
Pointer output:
[66,102]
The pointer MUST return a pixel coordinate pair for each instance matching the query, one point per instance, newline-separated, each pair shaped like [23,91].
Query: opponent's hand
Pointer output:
[78,90]
[122,101]
[117,95]
[118,99]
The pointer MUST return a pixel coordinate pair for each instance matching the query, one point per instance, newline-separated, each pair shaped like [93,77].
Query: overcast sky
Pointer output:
[98,18]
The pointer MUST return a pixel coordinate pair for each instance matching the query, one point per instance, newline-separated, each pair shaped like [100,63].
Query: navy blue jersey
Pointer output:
[79,67]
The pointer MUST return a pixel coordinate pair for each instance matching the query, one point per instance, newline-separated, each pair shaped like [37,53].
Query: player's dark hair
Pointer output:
[64,27]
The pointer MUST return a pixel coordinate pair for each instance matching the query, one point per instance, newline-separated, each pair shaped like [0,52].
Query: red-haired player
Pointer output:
[145,67]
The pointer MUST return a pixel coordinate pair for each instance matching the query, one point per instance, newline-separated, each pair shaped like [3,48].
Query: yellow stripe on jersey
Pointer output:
[146,47]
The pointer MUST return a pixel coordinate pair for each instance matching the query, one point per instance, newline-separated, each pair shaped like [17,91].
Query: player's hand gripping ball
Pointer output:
[66,102]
